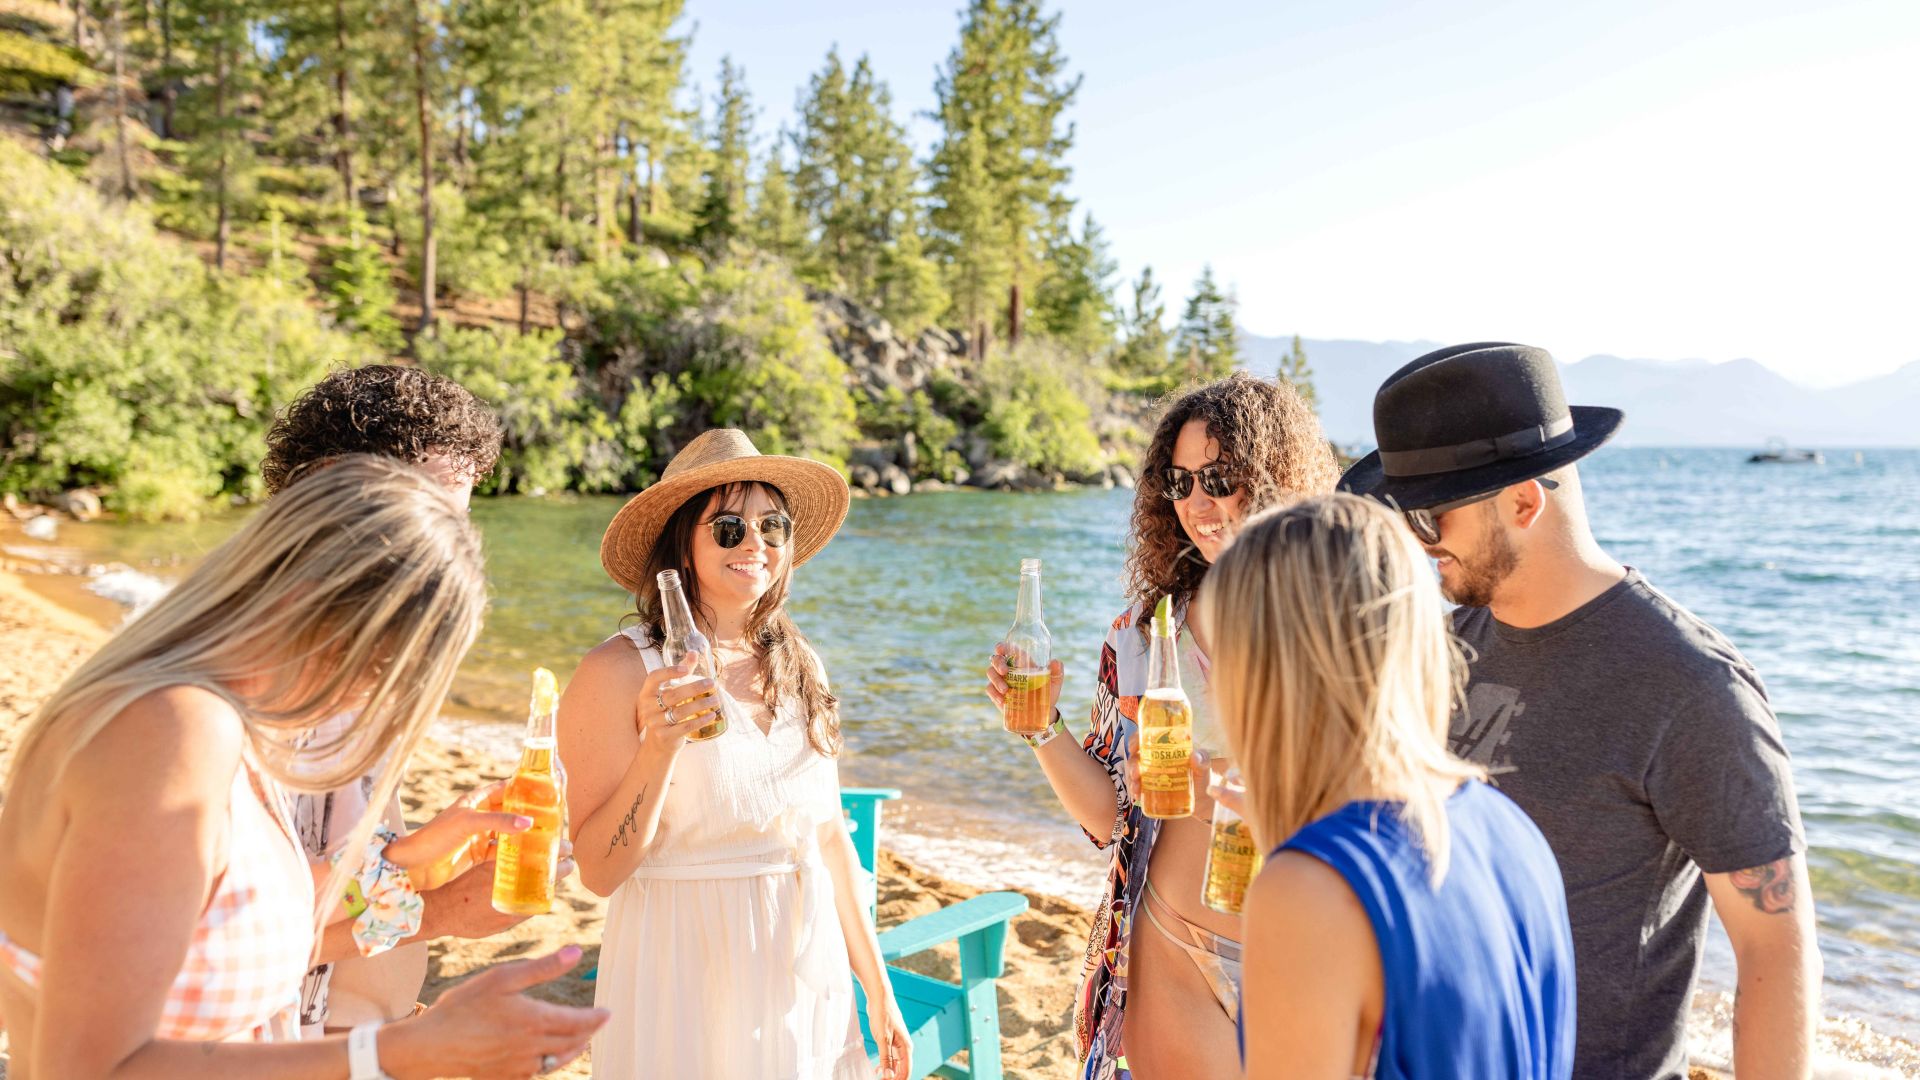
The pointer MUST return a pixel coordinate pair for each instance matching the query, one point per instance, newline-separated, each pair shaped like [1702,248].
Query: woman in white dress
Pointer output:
[738,915]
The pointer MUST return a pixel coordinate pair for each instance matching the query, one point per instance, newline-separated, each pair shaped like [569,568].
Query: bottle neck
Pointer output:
[1027,609]
[540,725]
[1163,663]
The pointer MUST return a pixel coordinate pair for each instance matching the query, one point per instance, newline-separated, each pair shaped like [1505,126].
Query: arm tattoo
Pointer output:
[1770,887]
[629,822]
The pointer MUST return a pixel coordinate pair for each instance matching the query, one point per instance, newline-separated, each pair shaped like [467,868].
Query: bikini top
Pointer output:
[241,976]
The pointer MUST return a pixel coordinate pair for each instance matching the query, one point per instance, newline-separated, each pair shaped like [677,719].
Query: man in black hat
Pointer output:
[1634,734]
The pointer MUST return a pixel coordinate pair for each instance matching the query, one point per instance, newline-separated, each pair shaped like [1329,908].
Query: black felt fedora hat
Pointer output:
[1468,420]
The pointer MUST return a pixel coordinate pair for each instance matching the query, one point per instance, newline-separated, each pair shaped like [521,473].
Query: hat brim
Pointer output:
[816,495]
[1592,425]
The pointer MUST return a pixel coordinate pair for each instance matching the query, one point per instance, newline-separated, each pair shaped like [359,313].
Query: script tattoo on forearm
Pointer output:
[1770,887]
[630,822]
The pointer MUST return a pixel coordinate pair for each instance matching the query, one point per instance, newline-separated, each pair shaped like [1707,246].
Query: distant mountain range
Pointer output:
[1667,402]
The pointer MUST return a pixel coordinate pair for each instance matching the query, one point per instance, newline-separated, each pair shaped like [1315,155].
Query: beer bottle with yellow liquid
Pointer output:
[1233,858]
[1027,708]
[527,864]
[1166,726]
[680,637]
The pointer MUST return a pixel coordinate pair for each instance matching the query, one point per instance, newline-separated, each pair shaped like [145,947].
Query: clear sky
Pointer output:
[1654,178]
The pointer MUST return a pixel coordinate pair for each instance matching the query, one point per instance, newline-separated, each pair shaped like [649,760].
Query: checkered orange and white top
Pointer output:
[241,977]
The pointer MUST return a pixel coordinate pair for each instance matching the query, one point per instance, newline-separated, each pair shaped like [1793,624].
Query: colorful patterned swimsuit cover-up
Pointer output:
[1118,687]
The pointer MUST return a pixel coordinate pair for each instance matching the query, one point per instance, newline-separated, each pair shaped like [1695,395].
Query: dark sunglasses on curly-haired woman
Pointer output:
[730,530]
[1217,480]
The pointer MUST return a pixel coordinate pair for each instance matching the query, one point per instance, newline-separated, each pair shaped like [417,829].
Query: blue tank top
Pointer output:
[1479,972]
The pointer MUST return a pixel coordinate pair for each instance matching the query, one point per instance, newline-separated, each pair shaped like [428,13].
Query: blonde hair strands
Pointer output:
[1333,669]
[359,587]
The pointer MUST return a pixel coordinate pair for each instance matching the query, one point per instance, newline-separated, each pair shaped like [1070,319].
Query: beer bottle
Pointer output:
[526,864]
[1027,709]
[1166,726]
[680,637]
[1233,858]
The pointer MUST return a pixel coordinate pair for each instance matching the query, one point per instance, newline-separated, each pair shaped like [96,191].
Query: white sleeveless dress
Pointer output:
[723,957]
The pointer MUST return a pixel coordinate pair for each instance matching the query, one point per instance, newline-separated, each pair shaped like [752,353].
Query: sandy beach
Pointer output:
[43,640]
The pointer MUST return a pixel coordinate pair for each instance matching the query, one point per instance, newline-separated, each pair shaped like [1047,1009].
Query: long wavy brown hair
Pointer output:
[1266,430]
[789,670]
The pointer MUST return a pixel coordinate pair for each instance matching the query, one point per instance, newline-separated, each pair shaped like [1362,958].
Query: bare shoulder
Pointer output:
[613,662]
[610,674]
[1302,906]
[176,739]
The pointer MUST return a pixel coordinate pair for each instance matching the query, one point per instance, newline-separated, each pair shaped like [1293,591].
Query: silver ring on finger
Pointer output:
[549,1062]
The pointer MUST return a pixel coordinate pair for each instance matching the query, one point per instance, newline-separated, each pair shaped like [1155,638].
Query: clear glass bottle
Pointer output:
[526,864]
[680,637]
[1233,857]
[1028,708]
[1166,727]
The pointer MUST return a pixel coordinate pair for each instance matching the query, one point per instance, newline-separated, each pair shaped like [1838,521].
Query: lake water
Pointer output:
[1813,571]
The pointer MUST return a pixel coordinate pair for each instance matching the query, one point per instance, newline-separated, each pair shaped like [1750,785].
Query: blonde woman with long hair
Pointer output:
[1410,920]
[156,914]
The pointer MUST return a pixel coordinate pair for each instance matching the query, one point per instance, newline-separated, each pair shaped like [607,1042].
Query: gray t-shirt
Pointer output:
[1641,743]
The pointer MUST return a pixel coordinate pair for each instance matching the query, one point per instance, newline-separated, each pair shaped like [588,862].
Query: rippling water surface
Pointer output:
[1814,571]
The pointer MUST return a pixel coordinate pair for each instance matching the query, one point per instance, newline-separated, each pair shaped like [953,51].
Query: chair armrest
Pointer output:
[847,795]
[979,924]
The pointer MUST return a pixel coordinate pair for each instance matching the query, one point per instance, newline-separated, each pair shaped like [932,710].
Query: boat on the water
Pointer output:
[1779,453]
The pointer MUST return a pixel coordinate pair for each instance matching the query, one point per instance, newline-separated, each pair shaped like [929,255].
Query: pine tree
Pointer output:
[855,179]
[223,76]
[778,226]
[1074,303]
[723,210]
[907,287]
[1208,342]
[999,172]
[1294,370]
[1143,352]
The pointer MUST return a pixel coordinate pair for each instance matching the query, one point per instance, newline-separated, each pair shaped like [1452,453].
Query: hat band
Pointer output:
[1472,455]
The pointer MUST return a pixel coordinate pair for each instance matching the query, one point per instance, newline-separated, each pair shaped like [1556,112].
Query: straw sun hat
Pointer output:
[816,500]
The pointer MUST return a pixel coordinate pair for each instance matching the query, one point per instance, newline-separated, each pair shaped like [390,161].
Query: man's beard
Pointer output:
[1474,582]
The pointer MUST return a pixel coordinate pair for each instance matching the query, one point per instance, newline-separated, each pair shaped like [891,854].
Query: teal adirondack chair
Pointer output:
[943,1018]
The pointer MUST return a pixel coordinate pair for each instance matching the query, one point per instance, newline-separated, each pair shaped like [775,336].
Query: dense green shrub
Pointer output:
[126,363]
[896,413]
[1035,413]
[358,283]
[762,364]
[546,422]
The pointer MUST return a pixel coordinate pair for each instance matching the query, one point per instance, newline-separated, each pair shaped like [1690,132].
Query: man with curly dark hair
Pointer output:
[390,410]
[1221,452]
[435,423]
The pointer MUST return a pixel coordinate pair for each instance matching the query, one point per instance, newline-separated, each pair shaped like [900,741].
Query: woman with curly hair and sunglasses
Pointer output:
[737,917]
[1161,1002]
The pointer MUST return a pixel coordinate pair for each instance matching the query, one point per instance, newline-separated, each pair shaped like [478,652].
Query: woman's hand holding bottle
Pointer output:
[672,706]
[997,678]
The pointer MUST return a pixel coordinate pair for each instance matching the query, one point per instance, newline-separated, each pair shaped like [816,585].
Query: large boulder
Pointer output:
[1002,475]
[1121,476]
[895,479]
[864,477]
[975,450]
[907,454]
[79,504]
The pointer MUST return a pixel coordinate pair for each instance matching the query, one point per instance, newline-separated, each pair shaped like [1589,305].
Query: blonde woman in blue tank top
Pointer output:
[1410,920]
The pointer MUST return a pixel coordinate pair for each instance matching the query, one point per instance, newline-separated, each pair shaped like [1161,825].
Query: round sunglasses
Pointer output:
[1217,480]
[730,530]
[1425,522]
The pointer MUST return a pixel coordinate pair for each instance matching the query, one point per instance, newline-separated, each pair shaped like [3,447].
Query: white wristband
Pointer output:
[363,1055]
